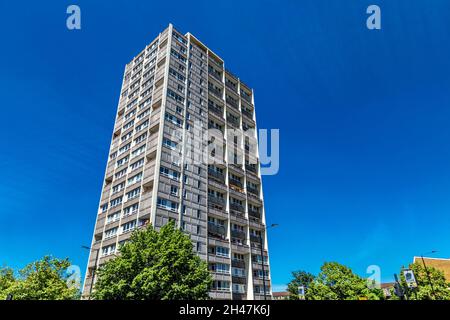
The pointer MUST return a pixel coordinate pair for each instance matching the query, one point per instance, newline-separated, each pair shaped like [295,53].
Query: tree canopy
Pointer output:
[300,278]
[45,279]
[437,289]
[154,265]
[334,282]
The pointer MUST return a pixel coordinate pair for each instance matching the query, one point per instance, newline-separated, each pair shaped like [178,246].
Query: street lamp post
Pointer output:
[427,272]
[95,268]
[262,258]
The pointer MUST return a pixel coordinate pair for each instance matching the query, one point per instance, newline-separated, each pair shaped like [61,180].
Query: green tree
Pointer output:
[154,265]
[45,279]
[7,279]
[300,278]
[424,290]
[338,282]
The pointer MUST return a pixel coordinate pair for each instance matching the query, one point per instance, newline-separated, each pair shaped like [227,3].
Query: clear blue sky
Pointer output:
[363,116]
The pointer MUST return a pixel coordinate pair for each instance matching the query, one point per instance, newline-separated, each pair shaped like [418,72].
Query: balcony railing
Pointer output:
[218,111]
[233,121]
[238,234]
[255,238]
[254,213]
[216,92]
[251,168]
[239,279]
[216,229]
[235,182]
[216,175]
[216,200]
[247,113]
[230,86]
[235,263]
[215,74]
[253,191]
[232,103]
[236,207]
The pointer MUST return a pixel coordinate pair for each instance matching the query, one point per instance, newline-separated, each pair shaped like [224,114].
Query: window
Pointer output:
[173,190]
[222,252]
[167,204]
[133,193]
[127,136]
[143,114]
[238,256]
[177,55]
[110,233]
[141,138]
[129,226]
[130,114]
[111,249]
[220,285]
[125,148]
[118,187]
[259,273]
[219,268]
[132,104]
[179,38]
[122,161]
[175,96]
[130,210]
[113,217]
[135,179]
[120,174]
[113,155]
[104,207]
[115,202]
[175,175]
[238,288]
[238,272]
[138,151]
[173,119]
[137,164]
[142,126]
[128,125]
[176,74]
[170,144]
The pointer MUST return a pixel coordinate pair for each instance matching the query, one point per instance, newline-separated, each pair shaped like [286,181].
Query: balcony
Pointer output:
[235,263]
[235,182]
[251,168]
[254,213]
[232,103]
[239,296]
[216,230]
[234,122]
[216,200]
[253,191]
[231,86]
[239,280]
[247,113]
[216,110]
[218,176]
[255,238]
[217,75]
[245,96]
[236,207]
[215,92]
[238,234]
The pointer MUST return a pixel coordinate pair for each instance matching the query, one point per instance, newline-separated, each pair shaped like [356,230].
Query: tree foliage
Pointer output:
[336,282]
[424,290]
[45,279]
[300,278]
[154,265]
